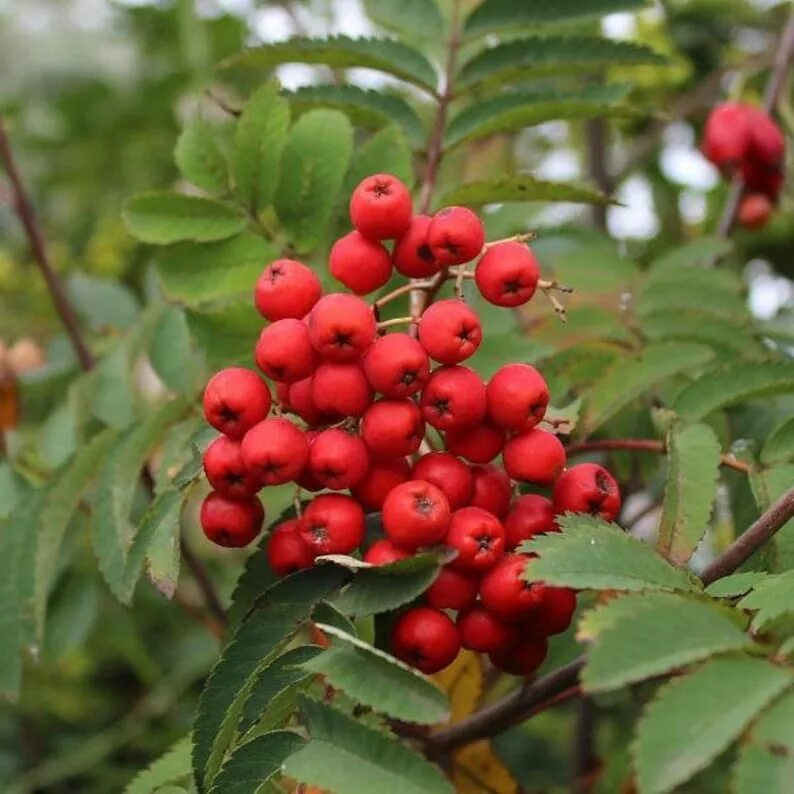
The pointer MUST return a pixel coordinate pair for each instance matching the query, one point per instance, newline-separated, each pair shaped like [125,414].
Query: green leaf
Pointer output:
[768,485]
[171,352]
[200,159]
[591,553]
[342,52]
[344,755]
[685,293]
[720,333]
[385,152]
[696,717]
[172,767]
[695,254]
[377,679]
[315,160]
[102,302]
[773,727]
[760,770]
[164,218]
[735,585]
[414,17]
[11,489]
[779,447]
[685,630]
[771,599]
[736,383]
[226,335]
[159,534]
[692,474]
[256,577]
[259,141]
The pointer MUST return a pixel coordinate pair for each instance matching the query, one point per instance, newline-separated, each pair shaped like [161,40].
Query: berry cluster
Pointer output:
[741,140]
[329,357]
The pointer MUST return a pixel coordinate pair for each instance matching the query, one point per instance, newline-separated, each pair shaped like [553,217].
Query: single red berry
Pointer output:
[341,327]
[531,515]
[455,235]
[767,143]
[426,639]
[523,658]
[332,524]
[492,489]
[755,210]
[449,474]
[282,395]
[555,609]
[477,536]
[275,451]
[380,207]
[507,274]
[478,443]
[535,456]
[454,397]
[587,488]
[362,265]
[381,477]
[284,351]
[412,256]
[382,552]
[301,402]
[450,331]
[235,399]
[307,480]
[517,396]
[726,136]
[415,514]
[225,470]
[338,459]
[286,550]
[452,589]
[393,428]
[341,389]
[286,288]
[480,631]
[396,365]
[503,591]
[231,522]
[761,180]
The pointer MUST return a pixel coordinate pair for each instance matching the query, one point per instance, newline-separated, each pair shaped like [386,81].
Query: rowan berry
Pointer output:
[587,488]
[382,552]
[412,255]
[286,550]
[555,609]
[415,514]
[455,235]
[523,658]
[236,399]
[477,536]
[517,397]
[480,631]
[381,477]
[275,451]
[478,443]
[228,522]
[452,589]
[755,210]
[447,473]
[392,428]
[380,207]
[535,456]
[491,490]
[341,327]
[286,288]
[426,639]
[531,515]
[340,389]
[505,593]
[225,470]
[338,459]
[284,351]
[396,365]
[450,331]
[332,524]
[360,264]
[453,397]
[507,274]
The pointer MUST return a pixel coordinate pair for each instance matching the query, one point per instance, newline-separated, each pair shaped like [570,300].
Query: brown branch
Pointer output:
[597,143]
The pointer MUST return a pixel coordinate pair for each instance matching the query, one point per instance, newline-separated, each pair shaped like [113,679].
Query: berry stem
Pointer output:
[554,285]
[552,298]
[395,321]
[296,501]
[404,290]
[525,237]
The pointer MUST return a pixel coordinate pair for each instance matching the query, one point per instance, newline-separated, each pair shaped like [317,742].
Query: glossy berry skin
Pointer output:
[341,327]
[505,594]
[362,265]
[301,402]
[236,399]
[767,143]
[491,490]
[426,639]
[275,451]
[587,488]
[225,470]
[726,136]
[536,456]
[382,552]
[523,658]
[531,515]
[556,606]
[447,473]
[517,397]
[455,236]
[412,256]
[380,207]
[338,459]
[286,550]
[478,443]
[380,478]
[232,523]
[415,514]
[396,365]
[286,288]
[453,397]
[332,524]
[392,428]
[478,537]
[452,589]
[341,389]
[507,274]
[755,211]
[307,480]
[482,632]
[284,352]
[450,331]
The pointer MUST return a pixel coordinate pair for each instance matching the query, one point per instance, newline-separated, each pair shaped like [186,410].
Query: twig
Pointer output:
[205,584]
[525,237]
[396,321]
[585,761]
[596,133]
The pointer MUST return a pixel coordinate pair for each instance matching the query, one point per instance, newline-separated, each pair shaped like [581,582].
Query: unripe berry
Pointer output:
[412,256]
[341,327]
[726,136]
[531,515]
[536,456]
[754,211]
[454,397]
[380,207]
[235,399]
[415,514]
[555,609]
[491,490]
[286,288]
[450,331]
[275,451]
[301,402]
[478,443]
[284,351]
[452,589]
[360,264]
[507,274]
[503,591]
[455,236]
[341,389]
[396,365]
[382,552]
[332,524]
[478,537]
[426,639]
[381,477]
[482,632]
[286,550]
[225,470]
[232,523]
[517,397]
[393,428]
[447,473]
[523,658]
[338,459]
[587,488]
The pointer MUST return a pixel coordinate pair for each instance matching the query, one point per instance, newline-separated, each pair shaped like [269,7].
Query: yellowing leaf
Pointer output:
[476,770]
[462,682]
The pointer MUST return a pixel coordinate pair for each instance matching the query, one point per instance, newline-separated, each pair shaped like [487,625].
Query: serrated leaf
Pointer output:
[386,151]
[345,755]
[171,352]
[259,140]
[687,294]
[735,585]
[768,485]
[779,447]
[256,577]
[760,770]
[165,218]
[313,166]
[596,554]
[415,17]
[171,767]
[102,302]
[159,535]
[226,334]
[771,599]
[200,159]
[721,333]
[377,679]
[718,702]
[695,254]
[693,454]
[773,727]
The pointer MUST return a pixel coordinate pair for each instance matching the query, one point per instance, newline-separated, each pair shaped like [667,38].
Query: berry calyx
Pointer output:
[415,514]
[332,524]
[286,288]
[455,236]
[477,536]
[587,488]
[235,399]
[454,397]
[228,522]
[426,639]
[360,264]
[450,331]
[380,207]
[507,274]
[341,327]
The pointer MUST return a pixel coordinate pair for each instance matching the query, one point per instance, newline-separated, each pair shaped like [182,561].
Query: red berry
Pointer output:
[452,589]
[450,331]
[726,136]
[382,552]
[235,399]
[341,327]
[492,489]
[587,488]
[396,365]
[531,515]
[393,428]
[284,351]
[535,456]
[455,235]
[286,288]
[448,474]
[453,397]
[275,451]
[341,389]
[426,639]
[381,477]
[755,210]
[412,256]
[286,550]
[282,395]
[231,522]
[338,459]
[503,591]
[767,144]
[301,402]
[482,632]
[523,658]
[225,470]
[360,264]
[415,514]
[332,524]
[477,536]
[555,609]
[380,207]
[517,396]
[307,480]
[478,443]
[507,274]
[763,180]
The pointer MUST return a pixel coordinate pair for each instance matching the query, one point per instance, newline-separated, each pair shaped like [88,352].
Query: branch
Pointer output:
[597,142]
[204,582]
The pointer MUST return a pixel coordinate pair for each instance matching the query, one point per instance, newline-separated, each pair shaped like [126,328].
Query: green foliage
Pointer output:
[200,159]
[173,767]
[771,599]
[418,17]
[387,150]
[779,447]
